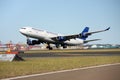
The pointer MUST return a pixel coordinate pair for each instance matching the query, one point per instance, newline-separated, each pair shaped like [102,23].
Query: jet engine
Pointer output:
[61,38]
[32,42]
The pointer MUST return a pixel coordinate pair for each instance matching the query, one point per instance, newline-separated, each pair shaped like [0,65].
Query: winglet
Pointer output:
[107,29]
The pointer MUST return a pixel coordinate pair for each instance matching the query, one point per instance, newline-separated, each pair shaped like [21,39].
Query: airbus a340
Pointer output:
[42,36]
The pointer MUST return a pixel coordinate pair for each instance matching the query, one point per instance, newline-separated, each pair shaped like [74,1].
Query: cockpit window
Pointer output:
[37,29]
[23,28]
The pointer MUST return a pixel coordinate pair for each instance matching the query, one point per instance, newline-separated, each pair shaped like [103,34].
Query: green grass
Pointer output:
[40,65]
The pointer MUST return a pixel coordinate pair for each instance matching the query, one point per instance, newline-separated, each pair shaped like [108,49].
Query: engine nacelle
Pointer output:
[61,38]
[64,45]
[33,42]
[29,42]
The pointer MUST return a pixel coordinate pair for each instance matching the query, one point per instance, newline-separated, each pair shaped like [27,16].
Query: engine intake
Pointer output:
[33,42]
[61,38]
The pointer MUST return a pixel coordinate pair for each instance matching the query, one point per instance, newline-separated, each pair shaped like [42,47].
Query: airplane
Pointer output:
[43,36]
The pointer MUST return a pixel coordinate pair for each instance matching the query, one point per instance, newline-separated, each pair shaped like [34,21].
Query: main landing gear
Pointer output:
[49,47]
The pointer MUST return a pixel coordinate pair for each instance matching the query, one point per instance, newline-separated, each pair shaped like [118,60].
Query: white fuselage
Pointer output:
[46,36]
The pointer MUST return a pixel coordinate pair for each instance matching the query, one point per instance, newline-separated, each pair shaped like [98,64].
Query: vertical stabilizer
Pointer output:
[84,36]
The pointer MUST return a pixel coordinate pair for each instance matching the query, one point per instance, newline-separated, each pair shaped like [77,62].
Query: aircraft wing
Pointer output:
[64,38]
[82,35]
[89,33]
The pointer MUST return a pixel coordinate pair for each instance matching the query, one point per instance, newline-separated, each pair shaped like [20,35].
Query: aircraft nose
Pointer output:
[20,30]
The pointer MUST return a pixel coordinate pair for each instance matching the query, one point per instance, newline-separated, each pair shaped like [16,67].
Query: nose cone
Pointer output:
[21,31]
[24,30]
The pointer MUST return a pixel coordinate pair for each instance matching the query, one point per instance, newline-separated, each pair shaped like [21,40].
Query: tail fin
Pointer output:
[86,29]
[84,36]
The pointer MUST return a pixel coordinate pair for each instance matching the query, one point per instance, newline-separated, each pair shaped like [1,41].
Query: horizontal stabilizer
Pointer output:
[86,41]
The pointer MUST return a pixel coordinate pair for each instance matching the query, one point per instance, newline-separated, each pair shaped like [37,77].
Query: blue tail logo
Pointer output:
[84,36]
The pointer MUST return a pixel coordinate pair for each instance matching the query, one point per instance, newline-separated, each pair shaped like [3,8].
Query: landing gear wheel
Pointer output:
[49,47]
[64,46]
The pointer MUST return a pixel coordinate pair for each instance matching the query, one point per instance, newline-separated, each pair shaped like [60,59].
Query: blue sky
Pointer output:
[60,16]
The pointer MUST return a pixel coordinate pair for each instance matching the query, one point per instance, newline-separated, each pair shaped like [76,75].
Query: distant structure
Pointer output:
[11,46]
[103,46]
